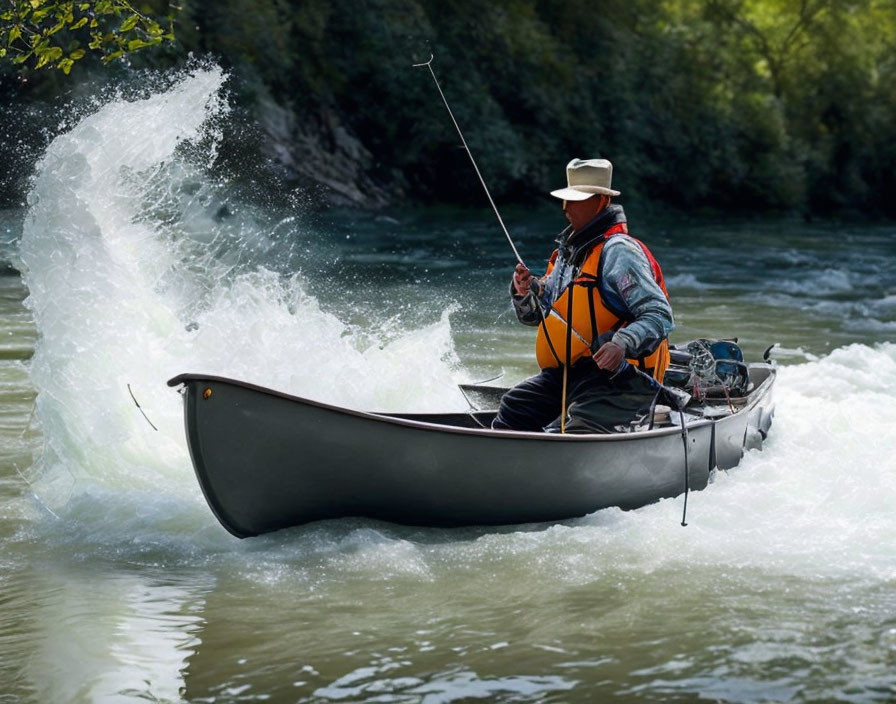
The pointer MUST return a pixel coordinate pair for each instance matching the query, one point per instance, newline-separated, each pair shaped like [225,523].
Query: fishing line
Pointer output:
[536,284]
[489,380]
[428,65]
[140,409]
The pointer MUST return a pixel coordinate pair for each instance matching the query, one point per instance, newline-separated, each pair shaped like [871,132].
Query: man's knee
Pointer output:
[530,405]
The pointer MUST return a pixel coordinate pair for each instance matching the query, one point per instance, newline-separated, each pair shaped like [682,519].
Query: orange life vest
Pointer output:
[582,302]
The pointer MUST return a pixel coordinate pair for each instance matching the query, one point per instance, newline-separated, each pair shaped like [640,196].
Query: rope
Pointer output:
[571,288]
[687,474]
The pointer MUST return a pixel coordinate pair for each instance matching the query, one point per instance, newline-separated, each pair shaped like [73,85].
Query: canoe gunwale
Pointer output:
[754,398]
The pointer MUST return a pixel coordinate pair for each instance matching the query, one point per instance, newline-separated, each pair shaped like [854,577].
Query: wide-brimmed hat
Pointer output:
[585,178]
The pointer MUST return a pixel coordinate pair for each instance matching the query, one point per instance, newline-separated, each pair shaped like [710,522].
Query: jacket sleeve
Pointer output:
[526,307]
[628,284]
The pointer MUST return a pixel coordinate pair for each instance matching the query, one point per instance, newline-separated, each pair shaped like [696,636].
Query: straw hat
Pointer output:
[585,178]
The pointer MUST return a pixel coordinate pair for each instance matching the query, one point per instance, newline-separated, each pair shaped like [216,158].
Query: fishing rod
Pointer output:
[428,65]
[536,284]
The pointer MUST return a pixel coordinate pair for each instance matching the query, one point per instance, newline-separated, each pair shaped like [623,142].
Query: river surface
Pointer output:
[135,260]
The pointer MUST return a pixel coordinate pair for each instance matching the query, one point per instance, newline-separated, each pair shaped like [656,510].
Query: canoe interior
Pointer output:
[484,400]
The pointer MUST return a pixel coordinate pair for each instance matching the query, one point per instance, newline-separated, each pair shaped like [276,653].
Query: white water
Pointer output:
[132,280]
[122,298]
[793,549]
[817,501]
[125,294]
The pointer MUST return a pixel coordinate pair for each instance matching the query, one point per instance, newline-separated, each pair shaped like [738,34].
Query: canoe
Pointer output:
[267,460]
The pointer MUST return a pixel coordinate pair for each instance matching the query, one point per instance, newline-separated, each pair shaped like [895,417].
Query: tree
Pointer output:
[36,34]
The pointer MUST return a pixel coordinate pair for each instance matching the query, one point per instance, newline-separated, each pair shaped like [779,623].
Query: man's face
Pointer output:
[581,212]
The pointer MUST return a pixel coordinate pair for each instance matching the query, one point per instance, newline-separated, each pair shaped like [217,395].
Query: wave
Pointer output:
[134,276]
[687,281]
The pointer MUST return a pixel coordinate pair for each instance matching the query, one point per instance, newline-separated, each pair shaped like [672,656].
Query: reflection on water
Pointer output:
[96,636]
[368,682]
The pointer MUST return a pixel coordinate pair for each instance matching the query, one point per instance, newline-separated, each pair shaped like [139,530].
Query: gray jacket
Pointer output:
[626,285]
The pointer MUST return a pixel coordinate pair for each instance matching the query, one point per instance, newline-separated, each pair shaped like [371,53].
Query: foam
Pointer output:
[132,282]
[133,279]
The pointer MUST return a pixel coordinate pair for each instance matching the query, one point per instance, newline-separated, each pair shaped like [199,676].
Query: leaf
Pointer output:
[14,34]
[135,44]
[80,23]
[2,53]
[111,57]
[129,24]
[77,54]
[65,65]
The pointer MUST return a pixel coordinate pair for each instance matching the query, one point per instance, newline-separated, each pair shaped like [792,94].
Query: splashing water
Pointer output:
[133,281]
[779,589]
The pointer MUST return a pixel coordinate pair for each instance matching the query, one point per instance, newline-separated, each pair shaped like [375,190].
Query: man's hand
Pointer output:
[522,280]
[609,356]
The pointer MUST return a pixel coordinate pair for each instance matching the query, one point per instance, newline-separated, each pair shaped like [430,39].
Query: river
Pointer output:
[135,260]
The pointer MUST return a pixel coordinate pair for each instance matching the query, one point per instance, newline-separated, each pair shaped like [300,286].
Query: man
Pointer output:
[611,288]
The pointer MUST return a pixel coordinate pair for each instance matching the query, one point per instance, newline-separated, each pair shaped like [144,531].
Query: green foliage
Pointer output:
[727,104]
[36,34]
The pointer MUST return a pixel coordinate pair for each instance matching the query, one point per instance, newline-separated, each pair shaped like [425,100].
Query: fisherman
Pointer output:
[611,288]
